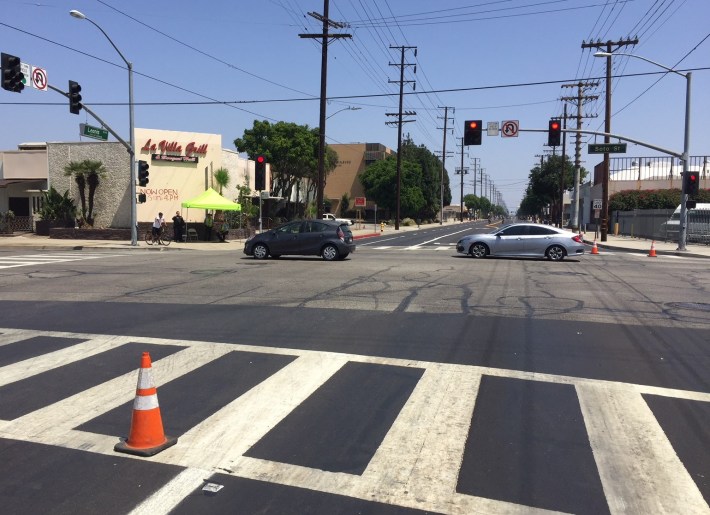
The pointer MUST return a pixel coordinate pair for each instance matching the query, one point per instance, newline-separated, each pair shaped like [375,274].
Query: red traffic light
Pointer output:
[260,159]
[472,132]
[554,125]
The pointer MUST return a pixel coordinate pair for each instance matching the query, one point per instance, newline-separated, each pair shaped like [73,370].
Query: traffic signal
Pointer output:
[12,75]
[472,132]
[141,198]
[554,133]
[74,97]
[260,173]
[143,173]
[692,183]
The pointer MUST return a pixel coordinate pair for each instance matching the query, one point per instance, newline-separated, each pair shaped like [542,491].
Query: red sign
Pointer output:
[360,201]
[173,146]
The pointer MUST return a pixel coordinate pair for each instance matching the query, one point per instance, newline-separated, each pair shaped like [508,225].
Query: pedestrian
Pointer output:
[223,231]
[178,226]
[209,222]
[158,225]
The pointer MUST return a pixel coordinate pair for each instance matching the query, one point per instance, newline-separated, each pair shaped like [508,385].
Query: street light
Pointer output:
[682,234]
[349,108]
[132,182]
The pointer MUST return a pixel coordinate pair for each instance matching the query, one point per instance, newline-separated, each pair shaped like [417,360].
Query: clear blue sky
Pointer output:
[487,59]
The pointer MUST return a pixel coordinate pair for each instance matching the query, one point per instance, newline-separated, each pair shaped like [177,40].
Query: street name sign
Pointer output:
[604,148]
[93,132]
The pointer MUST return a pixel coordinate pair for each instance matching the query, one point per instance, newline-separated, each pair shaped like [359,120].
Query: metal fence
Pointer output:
[662,224]
[667,169]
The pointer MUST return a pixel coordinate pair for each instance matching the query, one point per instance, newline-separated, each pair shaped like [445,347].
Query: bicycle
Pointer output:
[163,238]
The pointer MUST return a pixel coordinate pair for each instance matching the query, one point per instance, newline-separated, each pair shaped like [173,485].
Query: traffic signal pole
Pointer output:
[96,117]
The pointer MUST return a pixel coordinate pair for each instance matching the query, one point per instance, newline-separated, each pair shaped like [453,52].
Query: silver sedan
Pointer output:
[524,240]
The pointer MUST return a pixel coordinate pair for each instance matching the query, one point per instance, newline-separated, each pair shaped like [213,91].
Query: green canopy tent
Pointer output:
[210,199]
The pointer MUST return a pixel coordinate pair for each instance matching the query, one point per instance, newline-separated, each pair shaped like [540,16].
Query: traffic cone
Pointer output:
[652,252]
[146,436]
[595,250]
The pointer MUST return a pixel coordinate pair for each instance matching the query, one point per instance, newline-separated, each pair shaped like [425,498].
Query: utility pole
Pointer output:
[400,121]
[607,46]
[443,161]
[325,39]
[579,101]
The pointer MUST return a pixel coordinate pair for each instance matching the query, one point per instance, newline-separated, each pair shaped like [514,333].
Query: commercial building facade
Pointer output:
[182,165]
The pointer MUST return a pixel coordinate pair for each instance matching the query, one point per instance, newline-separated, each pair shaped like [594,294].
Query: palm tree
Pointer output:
[86,172]
[221,177]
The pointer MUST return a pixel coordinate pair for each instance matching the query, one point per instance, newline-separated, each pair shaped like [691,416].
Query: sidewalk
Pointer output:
[360,232]
[640,245]
[31,240]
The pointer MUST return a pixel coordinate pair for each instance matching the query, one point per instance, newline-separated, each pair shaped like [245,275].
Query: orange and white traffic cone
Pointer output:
[146,437]
[595,250]
[652,252]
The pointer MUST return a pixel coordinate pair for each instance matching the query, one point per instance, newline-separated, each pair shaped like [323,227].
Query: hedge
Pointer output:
[627,200]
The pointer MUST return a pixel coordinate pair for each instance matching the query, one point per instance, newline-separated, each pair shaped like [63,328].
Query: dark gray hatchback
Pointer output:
[330,240]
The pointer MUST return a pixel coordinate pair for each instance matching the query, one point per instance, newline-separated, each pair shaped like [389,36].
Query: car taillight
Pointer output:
[577,238]
[341,234]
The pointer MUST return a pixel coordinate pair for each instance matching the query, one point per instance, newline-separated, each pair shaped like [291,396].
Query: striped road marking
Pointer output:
[416,465]
[49,258]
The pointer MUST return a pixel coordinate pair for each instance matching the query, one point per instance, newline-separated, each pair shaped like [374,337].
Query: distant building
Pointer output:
[353,158]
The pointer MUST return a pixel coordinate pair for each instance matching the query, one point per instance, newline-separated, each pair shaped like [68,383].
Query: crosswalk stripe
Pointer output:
[416,465]
[639,469]
[242,423]
[41,259]
[173,492]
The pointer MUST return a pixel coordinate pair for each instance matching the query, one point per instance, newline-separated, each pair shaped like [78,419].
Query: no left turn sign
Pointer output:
[509,129]
[39,78]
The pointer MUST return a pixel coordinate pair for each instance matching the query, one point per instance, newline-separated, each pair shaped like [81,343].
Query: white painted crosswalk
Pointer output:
[416,465]
[49,258]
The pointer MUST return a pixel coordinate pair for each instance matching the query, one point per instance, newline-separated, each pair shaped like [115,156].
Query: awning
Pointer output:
[210,199]
[4,183]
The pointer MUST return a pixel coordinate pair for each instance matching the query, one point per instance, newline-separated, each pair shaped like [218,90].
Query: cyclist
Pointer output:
[158,225]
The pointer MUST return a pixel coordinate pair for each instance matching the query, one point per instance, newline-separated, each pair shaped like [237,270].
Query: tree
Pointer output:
[291,151]
[378,180]
[430,184]
[221,177]
[344,204]
[86,172]
[544,186]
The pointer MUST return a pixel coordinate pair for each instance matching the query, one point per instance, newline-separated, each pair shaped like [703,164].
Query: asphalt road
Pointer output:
[405,379]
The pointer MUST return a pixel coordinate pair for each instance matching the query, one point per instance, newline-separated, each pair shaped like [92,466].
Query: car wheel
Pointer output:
[260,251]
[478,250]
[330,253]
[555,253]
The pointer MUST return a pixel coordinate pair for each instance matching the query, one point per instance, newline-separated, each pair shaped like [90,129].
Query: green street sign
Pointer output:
[603,148]
[93,132]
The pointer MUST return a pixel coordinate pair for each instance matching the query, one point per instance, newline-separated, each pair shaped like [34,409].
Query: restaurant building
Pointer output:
[181,166]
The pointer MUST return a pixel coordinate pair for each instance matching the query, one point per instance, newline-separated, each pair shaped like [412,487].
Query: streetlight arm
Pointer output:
[349,108]
[109,40]
[607,54]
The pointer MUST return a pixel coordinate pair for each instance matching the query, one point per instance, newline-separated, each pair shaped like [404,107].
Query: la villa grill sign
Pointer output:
[172,151]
